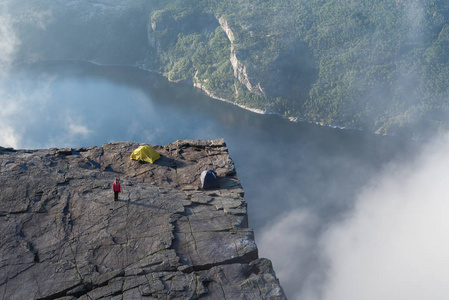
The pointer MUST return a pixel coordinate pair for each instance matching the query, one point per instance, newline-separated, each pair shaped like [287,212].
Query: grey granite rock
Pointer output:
[64,237]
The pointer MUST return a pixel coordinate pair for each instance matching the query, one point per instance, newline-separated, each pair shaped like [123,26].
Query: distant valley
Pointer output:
[378,66]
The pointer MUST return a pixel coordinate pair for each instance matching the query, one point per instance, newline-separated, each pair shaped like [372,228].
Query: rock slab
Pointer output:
[64,237]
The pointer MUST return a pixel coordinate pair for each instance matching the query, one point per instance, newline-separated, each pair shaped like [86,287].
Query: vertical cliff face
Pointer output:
[235,57]
[240,72]
[203,48]
[228,56]
[64,236]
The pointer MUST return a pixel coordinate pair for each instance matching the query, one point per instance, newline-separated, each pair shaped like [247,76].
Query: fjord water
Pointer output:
[283,166]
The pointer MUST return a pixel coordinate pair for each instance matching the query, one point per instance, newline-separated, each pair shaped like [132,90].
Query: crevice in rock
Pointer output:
[76,264]
[223,291]
[4,214]
[192,234]
[65,151]
[122,288]
[22,271]
[145,257]
[244,259]
[67,221]
[62,294]
[34,251]
[175,241]
[94,163]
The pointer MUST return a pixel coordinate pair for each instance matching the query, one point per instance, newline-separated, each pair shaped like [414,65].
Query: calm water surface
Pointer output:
[283,166]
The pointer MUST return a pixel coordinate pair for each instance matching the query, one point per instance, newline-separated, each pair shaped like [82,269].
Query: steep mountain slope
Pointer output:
[382,66]
[377,65]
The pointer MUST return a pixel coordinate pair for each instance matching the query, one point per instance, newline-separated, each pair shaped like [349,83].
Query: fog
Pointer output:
[391,245]
[391,242]
[322,240]
[386,242]
[394,245]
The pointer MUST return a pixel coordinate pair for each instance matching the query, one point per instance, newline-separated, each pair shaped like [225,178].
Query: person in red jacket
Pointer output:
[116,188]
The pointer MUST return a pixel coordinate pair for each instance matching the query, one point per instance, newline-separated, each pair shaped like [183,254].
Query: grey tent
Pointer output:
[209,180]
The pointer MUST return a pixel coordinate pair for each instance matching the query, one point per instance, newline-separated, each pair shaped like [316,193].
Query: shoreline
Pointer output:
[199,87]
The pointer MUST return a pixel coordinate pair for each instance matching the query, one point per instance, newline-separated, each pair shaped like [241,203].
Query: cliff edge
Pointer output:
[63,236]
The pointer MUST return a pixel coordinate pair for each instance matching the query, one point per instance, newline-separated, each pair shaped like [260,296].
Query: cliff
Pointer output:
[328,62]
[63,236]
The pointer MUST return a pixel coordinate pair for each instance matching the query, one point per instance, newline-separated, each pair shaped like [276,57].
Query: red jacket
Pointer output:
[116,187]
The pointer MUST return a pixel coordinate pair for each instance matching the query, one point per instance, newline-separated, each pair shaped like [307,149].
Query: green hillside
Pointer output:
[381,65]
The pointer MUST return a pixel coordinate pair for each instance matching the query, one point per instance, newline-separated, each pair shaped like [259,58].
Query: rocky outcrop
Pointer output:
[239,68]
[64,237]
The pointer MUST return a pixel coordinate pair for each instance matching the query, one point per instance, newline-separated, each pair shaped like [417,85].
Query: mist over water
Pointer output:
[342,214]
[304,184]
[392,244]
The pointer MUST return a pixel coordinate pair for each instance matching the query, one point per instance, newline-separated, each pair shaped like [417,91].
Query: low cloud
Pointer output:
[73,129]
[78,129]
[392,245]
[8,137]
[296,228]
[290,241]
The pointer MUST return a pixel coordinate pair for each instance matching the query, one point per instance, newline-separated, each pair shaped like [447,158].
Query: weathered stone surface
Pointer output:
[63,236]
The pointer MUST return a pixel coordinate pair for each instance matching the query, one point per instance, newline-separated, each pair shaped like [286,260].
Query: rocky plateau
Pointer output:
[64,237]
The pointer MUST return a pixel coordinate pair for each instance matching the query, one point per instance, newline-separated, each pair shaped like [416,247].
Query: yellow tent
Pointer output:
[145,153]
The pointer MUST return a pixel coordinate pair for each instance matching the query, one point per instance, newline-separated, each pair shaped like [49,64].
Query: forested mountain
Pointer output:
[380,65]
